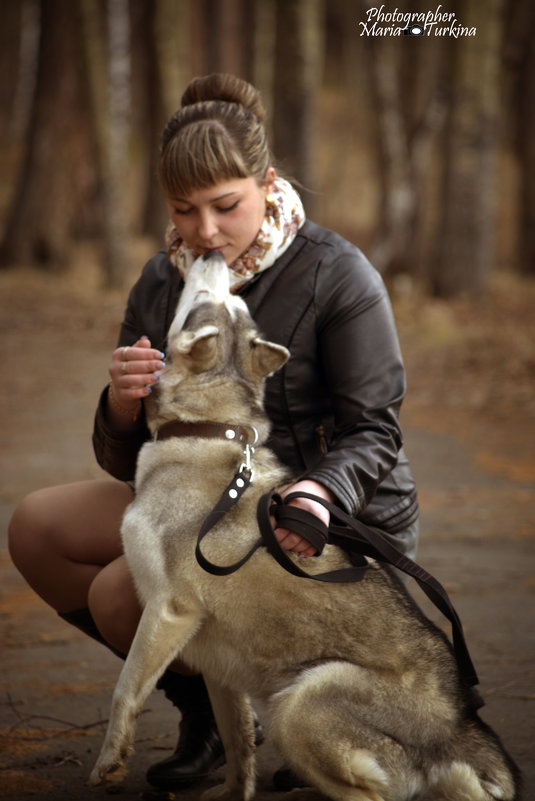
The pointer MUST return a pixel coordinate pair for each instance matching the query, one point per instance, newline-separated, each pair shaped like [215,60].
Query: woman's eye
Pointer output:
[228,208]
[181,211]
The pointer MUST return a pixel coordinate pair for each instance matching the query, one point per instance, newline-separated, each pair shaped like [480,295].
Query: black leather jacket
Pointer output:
[334,405]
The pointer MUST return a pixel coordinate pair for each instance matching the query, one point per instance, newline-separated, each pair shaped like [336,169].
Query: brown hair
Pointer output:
[217,134]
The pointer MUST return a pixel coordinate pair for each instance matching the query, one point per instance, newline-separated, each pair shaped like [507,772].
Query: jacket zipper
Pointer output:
[320,431]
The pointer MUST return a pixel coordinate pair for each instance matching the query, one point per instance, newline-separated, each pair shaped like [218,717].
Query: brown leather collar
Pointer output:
[242,434]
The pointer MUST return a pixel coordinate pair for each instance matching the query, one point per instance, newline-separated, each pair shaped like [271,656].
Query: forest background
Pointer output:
[421,149]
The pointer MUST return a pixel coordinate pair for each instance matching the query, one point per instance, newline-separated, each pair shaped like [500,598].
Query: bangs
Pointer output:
[203,154]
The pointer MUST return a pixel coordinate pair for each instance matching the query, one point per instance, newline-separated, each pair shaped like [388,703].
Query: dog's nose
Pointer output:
[212,254]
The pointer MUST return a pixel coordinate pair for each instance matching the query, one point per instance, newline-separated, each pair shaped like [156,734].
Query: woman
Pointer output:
[333,408]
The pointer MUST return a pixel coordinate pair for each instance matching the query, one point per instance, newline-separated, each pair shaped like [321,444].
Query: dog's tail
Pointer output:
[479,768]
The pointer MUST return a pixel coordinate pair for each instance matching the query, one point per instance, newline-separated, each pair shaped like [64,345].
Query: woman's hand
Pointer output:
[133,370]
[291,541]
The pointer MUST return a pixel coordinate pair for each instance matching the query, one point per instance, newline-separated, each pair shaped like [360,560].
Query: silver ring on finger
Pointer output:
[123,368]
[123,351]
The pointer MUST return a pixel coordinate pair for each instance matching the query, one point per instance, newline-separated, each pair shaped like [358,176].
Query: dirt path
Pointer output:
[471,442]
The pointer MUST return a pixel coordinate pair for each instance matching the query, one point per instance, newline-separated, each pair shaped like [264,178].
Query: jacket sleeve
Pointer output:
[149,309]
[362,368]
[116,451]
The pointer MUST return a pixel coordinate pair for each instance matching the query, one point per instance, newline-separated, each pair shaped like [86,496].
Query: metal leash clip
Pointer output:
[248,451]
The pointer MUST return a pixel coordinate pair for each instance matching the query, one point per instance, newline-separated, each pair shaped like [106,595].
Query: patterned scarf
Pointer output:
[284,217]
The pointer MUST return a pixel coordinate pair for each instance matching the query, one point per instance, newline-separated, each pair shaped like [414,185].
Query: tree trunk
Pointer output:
[19,48]
[523,56]
[52,199]
[166,78]
[409,110]
[107,50]
[465,237]
[398,191]
[298,71]
[230,35]
[115,178]
[261,68]
[527,145]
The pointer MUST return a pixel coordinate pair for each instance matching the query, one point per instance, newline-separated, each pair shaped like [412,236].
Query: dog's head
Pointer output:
[216,359]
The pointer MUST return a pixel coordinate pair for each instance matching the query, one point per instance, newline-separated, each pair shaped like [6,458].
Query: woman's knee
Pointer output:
[60,537]
[78,522]
[114,604]
[27,532]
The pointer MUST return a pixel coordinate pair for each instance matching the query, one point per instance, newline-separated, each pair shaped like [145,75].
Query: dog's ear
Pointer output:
[267,356]
[199,347]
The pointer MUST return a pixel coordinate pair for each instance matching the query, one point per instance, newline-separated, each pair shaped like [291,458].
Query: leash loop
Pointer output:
[358,540]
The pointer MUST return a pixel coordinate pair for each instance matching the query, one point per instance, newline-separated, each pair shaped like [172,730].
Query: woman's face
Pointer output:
[224,217]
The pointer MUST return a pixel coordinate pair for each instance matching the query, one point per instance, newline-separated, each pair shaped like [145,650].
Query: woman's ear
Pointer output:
[269,184]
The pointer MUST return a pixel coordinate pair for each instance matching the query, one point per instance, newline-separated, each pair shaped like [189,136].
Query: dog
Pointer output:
[363,692]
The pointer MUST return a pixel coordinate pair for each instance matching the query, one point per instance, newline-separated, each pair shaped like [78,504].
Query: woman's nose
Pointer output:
[207,226]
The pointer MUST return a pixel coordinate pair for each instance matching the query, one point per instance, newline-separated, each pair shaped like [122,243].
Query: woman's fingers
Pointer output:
[138,367]
[293,542]
[134,368]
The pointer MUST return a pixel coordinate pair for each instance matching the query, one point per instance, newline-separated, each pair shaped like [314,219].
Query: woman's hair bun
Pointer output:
[224,87]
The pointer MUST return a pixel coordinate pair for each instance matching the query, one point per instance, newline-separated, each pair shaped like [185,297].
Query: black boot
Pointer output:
[285,779]
[199,750]
[82,619]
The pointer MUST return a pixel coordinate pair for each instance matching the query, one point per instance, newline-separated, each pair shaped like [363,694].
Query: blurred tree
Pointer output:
[219,36]
[106,36]
[298,73]
[436,104]
[464,241]
[519,124]
[409,110]
[261,36]
[19,46]
[226,36]
[413,122]
[56,183]
[161,59]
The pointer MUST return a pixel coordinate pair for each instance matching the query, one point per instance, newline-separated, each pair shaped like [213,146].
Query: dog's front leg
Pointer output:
[160,635]
[234,719]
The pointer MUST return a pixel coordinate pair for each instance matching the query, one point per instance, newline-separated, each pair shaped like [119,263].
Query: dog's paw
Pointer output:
[225,792]
[106,773]
[218,793]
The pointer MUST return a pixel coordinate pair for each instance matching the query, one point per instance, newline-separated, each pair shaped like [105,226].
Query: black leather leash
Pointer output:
[354,537]
[229,498]
[359,541]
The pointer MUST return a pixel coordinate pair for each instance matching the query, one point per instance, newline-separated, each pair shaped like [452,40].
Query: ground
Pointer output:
[469,424]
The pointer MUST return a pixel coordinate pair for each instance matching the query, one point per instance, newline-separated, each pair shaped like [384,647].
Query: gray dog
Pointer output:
[364,695]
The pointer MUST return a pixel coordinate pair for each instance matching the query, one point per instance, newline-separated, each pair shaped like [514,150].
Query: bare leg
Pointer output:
[60,538]
[66,542]
[114,604]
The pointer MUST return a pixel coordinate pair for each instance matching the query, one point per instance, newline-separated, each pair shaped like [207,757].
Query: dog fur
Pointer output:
[363,692]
